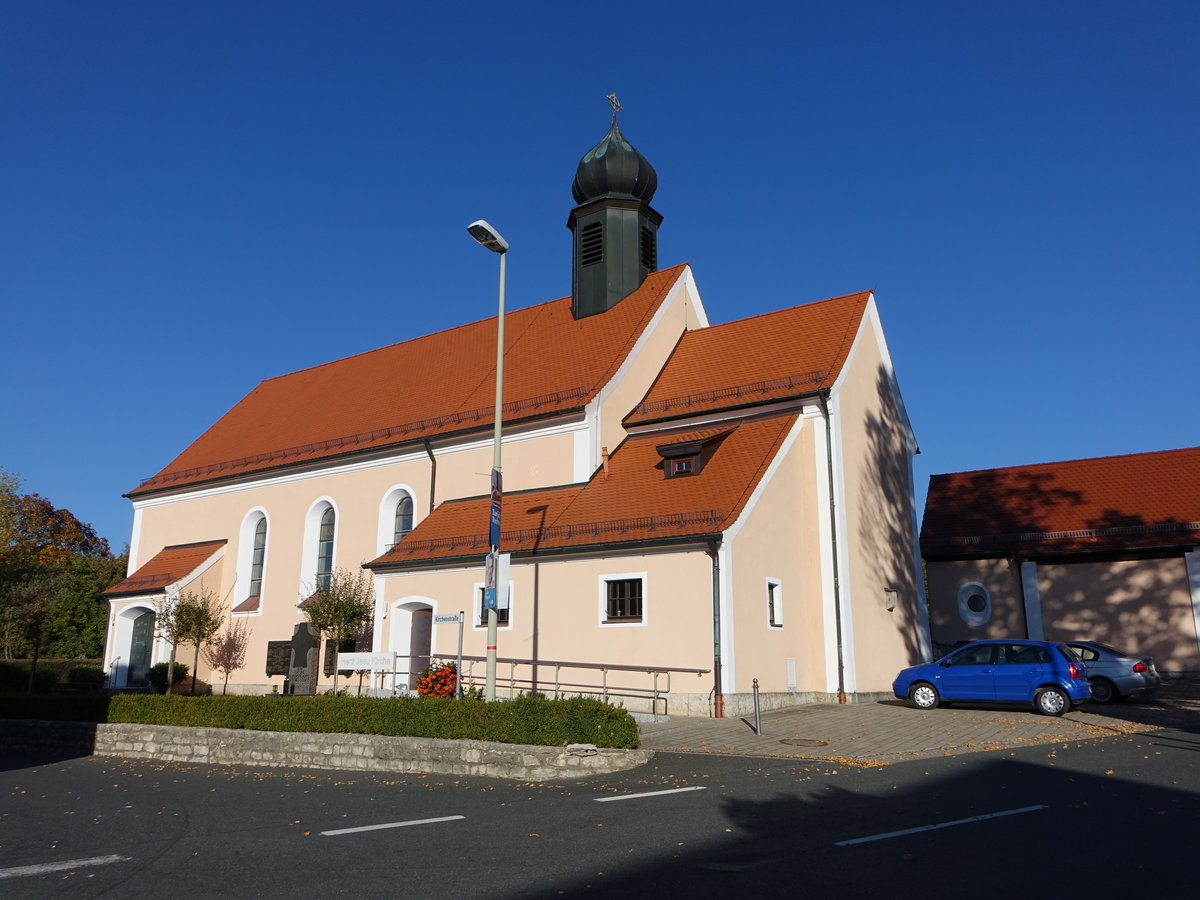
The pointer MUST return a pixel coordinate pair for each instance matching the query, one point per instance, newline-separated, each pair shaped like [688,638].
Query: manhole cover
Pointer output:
[803,742]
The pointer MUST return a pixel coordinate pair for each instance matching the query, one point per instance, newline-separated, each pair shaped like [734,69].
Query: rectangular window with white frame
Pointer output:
[623,599]
[503,616]
[774,603]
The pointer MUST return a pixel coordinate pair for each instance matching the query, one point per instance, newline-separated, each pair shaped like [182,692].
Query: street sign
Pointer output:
[451,619]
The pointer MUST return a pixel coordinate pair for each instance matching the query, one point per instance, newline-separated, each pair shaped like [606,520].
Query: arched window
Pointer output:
[325,550]
[251,562]
[256,557]
[404,518]
[398,513]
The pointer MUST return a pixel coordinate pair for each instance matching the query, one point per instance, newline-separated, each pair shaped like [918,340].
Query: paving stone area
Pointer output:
[867,734]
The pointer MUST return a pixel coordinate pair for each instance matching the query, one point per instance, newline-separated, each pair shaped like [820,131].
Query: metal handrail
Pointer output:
[656,692]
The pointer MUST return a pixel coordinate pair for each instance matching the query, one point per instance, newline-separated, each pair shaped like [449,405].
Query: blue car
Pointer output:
[1046,675]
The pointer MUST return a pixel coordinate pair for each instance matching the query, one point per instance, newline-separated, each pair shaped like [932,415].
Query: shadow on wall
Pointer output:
[1087,591]
[886,514]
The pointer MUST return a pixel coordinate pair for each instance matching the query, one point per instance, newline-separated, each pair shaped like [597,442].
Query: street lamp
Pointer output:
[490,238]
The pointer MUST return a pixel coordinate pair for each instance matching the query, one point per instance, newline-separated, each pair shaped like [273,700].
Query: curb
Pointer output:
[345,752]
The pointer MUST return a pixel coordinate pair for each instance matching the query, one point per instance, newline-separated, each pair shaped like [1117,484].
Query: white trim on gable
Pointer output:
[173,589]
[870,319]
[685,284]
[135,540]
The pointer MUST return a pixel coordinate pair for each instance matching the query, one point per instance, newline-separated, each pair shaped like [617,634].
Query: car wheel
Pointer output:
[1104,691]
[924,695]
[1051,701]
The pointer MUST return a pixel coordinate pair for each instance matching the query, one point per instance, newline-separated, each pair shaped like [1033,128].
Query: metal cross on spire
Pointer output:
[616,104]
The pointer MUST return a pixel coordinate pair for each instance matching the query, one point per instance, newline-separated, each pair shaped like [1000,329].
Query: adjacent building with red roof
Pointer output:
[1103,549]
[696,506]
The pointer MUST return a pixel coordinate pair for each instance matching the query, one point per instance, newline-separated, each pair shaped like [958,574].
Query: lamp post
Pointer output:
[490,238]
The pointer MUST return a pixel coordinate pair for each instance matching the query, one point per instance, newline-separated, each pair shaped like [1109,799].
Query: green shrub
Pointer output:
[86,674]
[157,676]
[526,720]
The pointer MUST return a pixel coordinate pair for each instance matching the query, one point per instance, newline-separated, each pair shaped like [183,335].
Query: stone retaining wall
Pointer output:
[353,752]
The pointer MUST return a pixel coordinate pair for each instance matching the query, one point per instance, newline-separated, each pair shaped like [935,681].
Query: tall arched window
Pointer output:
[251,562]
[404,518]
[325,550]
[256,558]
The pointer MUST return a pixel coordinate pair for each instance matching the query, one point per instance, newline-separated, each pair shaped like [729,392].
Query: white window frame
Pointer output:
[312,535]
[774,591]
[387,515]
[477,607]
[602,596]
[245,559]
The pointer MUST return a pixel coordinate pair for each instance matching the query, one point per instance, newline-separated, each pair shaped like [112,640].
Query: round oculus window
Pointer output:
[974,604]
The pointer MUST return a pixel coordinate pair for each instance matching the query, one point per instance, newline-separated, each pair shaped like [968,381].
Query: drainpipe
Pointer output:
[823,398]
[432,475]
[718,697]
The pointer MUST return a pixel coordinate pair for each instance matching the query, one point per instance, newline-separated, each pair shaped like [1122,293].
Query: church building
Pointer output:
[690,510]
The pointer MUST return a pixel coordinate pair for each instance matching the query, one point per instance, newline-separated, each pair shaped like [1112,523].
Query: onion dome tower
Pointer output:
[614,228]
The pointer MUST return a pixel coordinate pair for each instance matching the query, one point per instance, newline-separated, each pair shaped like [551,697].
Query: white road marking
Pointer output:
[45,868]
[648,794]
[390,825]
[892,834]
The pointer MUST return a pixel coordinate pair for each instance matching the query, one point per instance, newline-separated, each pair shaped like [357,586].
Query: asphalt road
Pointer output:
[1119,813]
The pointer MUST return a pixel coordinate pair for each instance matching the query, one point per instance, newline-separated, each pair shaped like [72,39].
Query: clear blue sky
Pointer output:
[200,195]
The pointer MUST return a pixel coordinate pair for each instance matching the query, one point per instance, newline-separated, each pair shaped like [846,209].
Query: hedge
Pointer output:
[524,720]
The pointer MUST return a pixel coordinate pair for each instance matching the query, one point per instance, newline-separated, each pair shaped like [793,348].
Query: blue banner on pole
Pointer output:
[497,497]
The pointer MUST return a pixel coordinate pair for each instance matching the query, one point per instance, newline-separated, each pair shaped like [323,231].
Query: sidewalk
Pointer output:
[872,734]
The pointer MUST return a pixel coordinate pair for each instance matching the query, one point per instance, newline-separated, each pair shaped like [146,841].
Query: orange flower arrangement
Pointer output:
[439,680]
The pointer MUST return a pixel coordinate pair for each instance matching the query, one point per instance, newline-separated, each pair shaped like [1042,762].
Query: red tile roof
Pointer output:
[434,385]
[633,503]
[1145,500]
[166,567]
[764,358]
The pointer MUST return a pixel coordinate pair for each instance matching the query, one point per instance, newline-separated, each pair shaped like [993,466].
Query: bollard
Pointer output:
[757,712]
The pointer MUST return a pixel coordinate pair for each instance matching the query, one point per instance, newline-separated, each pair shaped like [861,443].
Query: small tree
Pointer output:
[193,617]
[227,653]
[340,610]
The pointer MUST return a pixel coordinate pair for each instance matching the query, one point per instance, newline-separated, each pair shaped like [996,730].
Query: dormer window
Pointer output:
[685,465]
[685,458]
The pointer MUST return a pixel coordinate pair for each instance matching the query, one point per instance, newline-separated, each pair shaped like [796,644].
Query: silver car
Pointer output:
[1114,675]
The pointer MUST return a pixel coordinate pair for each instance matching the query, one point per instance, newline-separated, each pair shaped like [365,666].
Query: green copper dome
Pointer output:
[614,168]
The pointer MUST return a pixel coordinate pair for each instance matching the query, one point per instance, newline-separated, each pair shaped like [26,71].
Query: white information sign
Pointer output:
[359,662]
[452,619]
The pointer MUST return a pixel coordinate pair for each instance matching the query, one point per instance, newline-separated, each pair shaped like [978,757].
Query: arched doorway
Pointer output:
[141,649]
[410,636]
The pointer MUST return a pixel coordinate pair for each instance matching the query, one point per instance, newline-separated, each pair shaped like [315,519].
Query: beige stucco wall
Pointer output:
[557,612]
[1140,606]
[877,506]
[781,541]
[681,311]
[1002,581]
[122,612]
